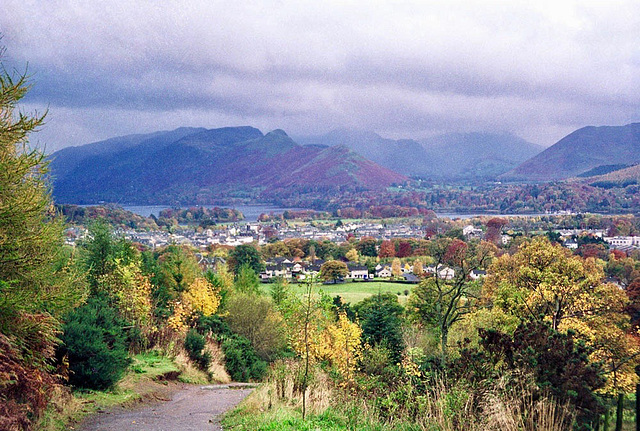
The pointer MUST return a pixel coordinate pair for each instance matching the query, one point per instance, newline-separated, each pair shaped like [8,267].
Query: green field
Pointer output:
[355,291]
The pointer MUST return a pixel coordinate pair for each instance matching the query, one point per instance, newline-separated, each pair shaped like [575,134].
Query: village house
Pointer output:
[444,272]
[357,271]
[623,242]
[383,272]
[477,273]
[471,232]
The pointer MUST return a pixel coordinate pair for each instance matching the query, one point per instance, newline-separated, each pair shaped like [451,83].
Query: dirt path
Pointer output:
[189,408]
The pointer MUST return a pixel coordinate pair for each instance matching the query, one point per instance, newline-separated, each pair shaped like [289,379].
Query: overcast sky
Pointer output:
[537,69]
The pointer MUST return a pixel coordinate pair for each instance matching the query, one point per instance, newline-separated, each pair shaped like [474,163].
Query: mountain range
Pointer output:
[448,157]
[196,165]
[587,149]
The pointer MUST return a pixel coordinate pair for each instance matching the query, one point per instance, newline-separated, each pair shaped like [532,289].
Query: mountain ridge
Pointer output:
[452,156]
[581,151]
[204,165]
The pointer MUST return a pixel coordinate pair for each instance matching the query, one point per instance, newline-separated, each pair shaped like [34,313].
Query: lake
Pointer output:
[472,215]
[251,212]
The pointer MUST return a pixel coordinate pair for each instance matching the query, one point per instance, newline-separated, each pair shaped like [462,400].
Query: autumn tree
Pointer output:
[404,249]
[544,282]
[333,270]
[494,229]
[352,255]
[130,291]
[396,267]
[441,302]
[344,345]
[199,298]
[418,269]
[387,249]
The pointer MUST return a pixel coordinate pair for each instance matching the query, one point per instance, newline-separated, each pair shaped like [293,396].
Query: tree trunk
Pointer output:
[638,407]
[443,347]
[619,412]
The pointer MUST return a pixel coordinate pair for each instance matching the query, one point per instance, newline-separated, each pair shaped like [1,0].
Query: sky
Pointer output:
[404,69]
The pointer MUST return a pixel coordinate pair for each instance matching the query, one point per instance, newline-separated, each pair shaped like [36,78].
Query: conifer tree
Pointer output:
[37,282]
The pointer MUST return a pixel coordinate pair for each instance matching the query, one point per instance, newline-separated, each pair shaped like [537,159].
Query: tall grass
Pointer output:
[276,405]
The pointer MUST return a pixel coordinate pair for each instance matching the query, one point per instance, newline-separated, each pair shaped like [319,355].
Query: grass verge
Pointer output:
[149,377]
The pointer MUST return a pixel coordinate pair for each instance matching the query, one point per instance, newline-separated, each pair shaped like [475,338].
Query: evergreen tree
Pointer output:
[245,255]
[95,345]
[38,284]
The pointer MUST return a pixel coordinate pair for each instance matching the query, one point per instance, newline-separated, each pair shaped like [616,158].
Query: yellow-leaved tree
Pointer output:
[132,291]
[352,255]
[344,345]
[396,267]
[545,282]
[200,297]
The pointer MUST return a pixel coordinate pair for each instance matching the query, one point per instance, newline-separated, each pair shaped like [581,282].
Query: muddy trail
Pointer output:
[185,409]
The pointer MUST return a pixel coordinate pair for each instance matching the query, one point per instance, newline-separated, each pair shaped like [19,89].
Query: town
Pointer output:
[296,269]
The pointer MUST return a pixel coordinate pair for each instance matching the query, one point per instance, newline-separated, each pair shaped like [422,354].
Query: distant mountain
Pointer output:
[199,166]
[581,151]
[405,156]
[454,156]
[477,155]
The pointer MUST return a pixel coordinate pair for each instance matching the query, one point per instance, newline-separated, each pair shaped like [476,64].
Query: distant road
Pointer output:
[194,408]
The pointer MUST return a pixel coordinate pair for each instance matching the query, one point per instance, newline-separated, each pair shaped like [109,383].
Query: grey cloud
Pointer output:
[405,69]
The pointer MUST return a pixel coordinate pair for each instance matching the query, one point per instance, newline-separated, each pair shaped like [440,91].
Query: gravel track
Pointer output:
[189,408]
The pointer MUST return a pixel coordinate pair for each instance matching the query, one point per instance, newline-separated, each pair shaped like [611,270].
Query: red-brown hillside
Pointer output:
[205,165]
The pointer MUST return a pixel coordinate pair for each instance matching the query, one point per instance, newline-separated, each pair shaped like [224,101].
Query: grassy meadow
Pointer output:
[354,292]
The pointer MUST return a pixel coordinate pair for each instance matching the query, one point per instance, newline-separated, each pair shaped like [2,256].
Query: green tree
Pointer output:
[177,270]
[94,343]
[245,255]
[367,246]
[333,270]
[247,281]
[257,319]
[38,283]
[99,251]
[279,291]
[380,318]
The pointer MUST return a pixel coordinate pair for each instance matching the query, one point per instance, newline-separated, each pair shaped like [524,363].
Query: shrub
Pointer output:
[24,389]
[95,344]
[256,319]
[195,343]
[242,362]
[214,324]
